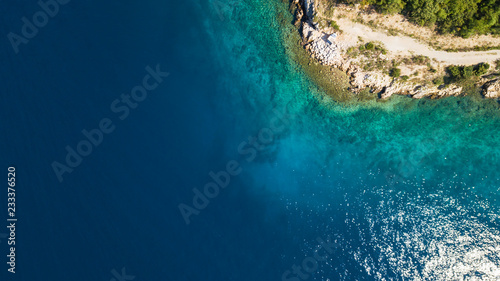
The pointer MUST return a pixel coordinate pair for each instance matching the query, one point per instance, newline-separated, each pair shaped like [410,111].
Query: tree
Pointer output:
[390,6]
[460,17]
[481,69]
[467,71]
[454,71]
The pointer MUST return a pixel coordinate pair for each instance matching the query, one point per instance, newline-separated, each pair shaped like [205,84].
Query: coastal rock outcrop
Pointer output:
[452,90]
[419,91]
[396,88]
[492,89]
[309,33]
[326,52]
[329,49]
[309,9]
[375,81]
[321,45]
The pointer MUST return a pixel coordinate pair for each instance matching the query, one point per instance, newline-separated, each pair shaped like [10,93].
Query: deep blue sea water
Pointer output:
[406,189]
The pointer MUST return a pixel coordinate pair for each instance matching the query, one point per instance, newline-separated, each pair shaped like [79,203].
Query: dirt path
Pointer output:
[404,45]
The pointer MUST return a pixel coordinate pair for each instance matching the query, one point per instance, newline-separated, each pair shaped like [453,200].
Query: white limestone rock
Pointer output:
[492,89]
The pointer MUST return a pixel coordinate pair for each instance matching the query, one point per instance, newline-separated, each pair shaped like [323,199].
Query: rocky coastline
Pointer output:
[326,47]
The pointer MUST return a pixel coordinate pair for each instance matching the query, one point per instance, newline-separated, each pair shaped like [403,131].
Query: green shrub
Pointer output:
[420,59]
[405,77]
[395,72]
[389,6]
[467,71]
[481,69]
[369,46]
[334,25]
[361,48]
[454,71]
[438,81]
[457,73]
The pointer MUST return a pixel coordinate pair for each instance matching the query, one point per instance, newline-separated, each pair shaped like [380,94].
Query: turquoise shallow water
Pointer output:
[409,187]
